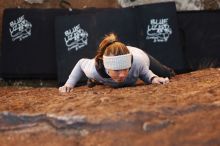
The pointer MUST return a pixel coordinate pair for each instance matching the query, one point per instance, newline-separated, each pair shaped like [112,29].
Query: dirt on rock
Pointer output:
[184,112]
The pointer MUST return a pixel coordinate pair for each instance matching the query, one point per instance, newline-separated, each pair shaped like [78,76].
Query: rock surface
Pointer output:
[180,4]
[184,112]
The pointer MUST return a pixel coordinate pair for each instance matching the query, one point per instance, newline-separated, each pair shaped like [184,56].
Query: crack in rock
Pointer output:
[11,122]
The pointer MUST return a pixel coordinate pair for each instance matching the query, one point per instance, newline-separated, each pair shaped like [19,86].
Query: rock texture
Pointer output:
[34,1]
[184,112]
[180,4]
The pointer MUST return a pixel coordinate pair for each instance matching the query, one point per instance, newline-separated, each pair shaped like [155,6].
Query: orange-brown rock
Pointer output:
[184,112]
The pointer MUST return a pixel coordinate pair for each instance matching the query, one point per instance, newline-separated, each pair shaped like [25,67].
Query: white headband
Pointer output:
[117,62]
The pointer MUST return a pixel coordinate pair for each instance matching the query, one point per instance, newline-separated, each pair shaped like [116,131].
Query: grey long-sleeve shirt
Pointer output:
[139,69]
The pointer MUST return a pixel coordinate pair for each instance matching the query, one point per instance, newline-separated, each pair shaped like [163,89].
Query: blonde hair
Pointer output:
[110,46]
